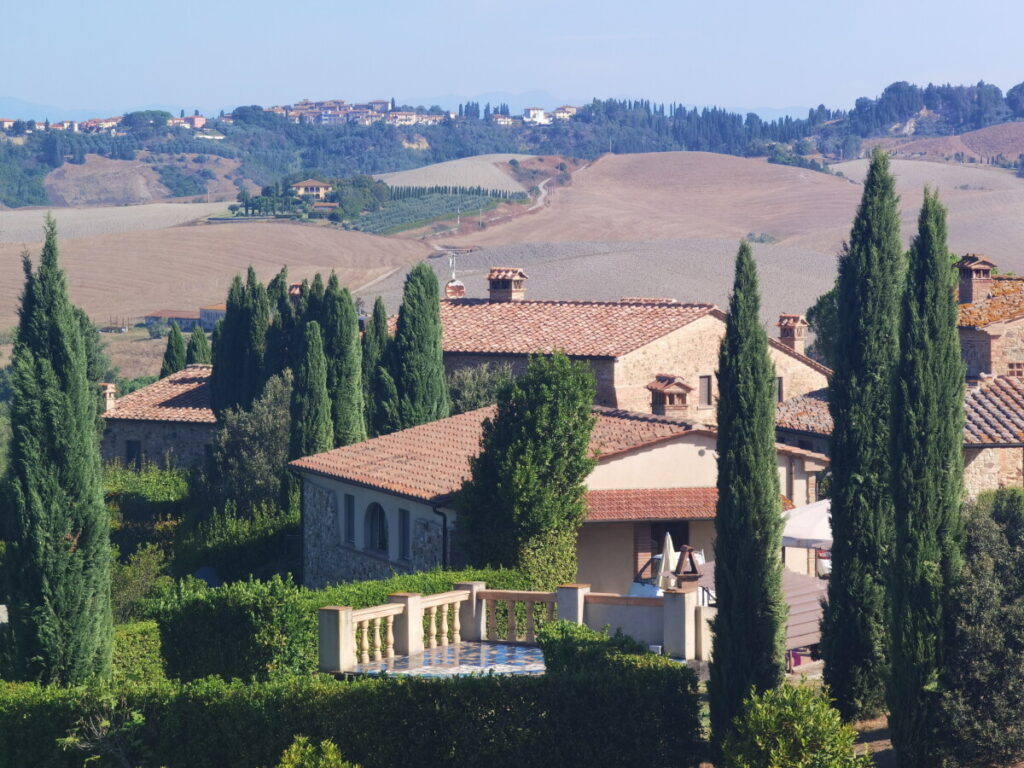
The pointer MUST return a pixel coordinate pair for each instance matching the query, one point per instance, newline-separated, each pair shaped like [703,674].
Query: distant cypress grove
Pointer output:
[56,573]
[854,634]
[175,354]
[198,349]
[927,460]
[750,626]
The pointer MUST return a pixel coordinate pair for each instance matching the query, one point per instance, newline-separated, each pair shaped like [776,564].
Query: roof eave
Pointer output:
[435,501]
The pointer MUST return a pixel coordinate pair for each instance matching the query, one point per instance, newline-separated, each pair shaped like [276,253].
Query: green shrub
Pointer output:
[571,721]
[238,545]
[303,754]
[791,727]
[135,585]
[137,656]
[572,647]
[146,494]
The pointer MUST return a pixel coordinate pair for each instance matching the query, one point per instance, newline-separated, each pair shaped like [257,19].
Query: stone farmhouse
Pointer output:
[991,319]
[993,430]
[170,421]
[648,355]
[386,504]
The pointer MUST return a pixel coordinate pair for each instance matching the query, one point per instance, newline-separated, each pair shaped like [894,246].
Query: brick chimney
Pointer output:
[975,278]
[454,289]
[109,395]
[506,284]
[793,332]
[668,395]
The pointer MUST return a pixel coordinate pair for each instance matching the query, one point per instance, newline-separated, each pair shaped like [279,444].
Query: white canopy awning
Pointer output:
[809,526]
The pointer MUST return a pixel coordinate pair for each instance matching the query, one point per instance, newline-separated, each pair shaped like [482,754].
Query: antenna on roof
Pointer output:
[451,263]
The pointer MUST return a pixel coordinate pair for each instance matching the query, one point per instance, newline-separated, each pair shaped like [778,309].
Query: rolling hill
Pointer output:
[478,171]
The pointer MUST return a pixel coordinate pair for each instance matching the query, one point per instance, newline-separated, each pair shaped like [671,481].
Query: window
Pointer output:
[705,390]
[404,535]
[1016,369]
[350,519]
[779,397]
[376,529]
[133,454]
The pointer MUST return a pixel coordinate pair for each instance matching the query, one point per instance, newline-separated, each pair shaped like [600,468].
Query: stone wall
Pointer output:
[603,368]
[184,444]
[986,469]
[976,349]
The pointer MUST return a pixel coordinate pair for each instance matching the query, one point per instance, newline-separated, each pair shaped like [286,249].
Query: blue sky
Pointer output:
[114,55]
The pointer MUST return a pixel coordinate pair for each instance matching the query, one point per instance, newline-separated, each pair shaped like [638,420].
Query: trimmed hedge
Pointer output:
[623,715]
[266,630]
[137,656]
[572,647]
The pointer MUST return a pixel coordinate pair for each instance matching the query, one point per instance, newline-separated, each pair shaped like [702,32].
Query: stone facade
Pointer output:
[603,368]
[986,469]
[182,444]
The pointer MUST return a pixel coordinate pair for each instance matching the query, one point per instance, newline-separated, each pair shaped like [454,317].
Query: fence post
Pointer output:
[571,601]
[336,639]
[472,616]
[409,623]
[679,623]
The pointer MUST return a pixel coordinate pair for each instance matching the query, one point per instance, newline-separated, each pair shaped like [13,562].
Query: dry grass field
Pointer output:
[130,274]
[1006,139]
[482,170]
[25,225]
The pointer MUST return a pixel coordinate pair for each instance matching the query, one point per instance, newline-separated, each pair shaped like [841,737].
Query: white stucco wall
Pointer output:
[605,556]
[687,461]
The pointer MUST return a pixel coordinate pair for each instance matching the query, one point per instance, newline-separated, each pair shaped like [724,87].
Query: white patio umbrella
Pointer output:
[809,526]
[669,558]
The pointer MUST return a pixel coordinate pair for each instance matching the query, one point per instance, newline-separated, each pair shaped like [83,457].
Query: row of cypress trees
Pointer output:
[177,354]
[896,397]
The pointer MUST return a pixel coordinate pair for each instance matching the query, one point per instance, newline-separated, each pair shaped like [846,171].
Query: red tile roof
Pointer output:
[310,183]
[181,397]
[172,313]
[578,328]
[623,505]
[506,273]
[1005,302]
[993,411]
[429,462]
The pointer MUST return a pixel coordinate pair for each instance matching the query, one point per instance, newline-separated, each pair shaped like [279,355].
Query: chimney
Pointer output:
[975,278]
[454,289]
[109,395]
[506,284]
[792,332]
[668,395]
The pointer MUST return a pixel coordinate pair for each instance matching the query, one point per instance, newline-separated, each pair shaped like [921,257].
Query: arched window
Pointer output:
[375,527]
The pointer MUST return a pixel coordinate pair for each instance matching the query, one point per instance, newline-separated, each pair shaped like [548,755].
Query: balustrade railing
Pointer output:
[374,632]
[515,608]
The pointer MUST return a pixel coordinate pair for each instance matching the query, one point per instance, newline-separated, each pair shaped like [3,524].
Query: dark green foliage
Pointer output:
[523,503]
[57,565]
[823,320]
[281,335]
[312,429]
[145,506]
[198,350]
[137,656]
[344,364]
[475,387]
[375,345]
[98,365]
[400,215]
[795,727]
[493,720]
[179,183]
[239,545]
[871,275]
[927,491]
[127,386]
[250,450]
[136,583]
[750,628]
[417,364]
[174,355]
[239,351]
[384,403]
[983,676]
[570,647]
[304,754]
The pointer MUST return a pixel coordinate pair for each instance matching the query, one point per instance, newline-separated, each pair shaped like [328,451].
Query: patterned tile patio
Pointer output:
[465,658]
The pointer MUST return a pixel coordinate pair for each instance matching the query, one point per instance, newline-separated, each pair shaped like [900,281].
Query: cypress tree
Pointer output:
[174,355]
[57,566]
[229,352]
[257,321]
[854,631]
[927,459]
[344,364]
[281,333]
[750,628]
[198,350]
[375,344]
[311,408]
[417,362]
[384,403]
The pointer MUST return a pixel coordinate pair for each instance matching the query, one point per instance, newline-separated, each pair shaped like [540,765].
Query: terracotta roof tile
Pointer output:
[579,328]
[507,273]
[993,411]
[623,505]
[430,461]
[181,397]
[1005,302]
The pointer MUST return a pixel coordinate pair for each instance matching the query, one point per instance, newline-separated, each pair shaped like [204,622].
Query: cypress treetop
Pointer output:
[344,364]
[927,457]
[198,350]
[854,635]
[174,355]
[57,567]
[375,354]
[750,627]
[417,360]
[312,431]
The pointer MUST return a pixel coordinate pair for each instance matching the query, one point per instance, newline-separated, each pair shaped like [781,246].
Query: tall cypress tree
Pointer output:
[57,567]
[174,354]
[229,352]
[280,334]
[417,361]
[927,459]
[344,364]
[750,628]
[257,321]
[375,344]
[311,408]
[198,350]
[854,625]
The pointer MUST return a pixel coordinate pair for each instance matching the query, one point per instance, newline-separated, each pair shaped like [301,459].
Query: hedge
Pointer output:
[137,656]
[626,714]
[266,630]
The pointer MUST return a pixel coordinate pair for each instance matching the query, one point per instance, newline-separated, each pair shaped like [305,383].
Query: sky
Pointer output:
[116,55]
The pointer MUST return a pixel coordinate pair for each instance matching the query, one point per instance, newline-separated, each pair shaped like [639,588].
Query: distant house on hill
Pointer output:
[312,188]
[186,319]
[386,504]
[168,421]
[635,346]
[993,430]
